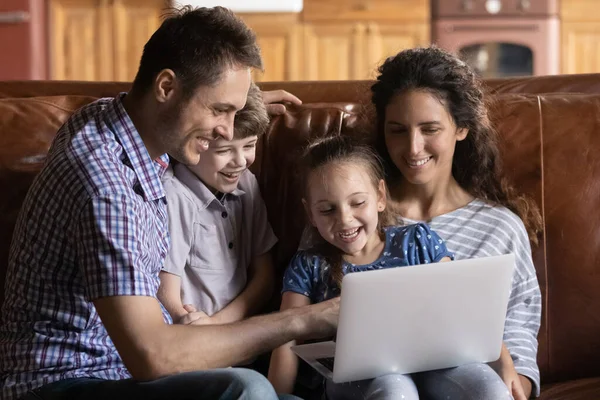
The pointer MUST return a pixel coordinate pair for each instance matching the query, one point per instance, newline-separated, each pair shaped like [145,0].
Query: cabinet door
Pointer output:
[279,37]
[81,40]
[134,22]
[580,47]
[334,51]
[385,40]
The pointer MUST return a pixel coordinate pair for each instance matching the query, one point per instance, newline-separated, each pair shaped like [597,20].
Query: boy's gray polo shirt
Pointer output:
[213,242]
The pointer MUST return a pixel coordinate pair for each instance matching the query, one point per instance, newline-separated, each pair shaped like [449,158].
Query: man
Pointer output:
[81,319]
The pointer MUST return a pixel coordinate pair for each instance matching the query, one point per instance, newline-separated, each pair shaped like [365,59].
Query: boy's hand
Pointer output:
[193,317]
[278,96]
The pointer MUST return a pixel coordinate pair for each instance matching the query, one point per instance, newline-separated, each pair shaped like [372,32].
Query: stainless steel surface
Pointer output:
[14,17]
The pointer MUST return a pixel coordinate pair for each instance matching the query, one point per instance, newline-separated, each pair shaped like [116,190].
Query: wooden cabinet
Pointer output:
[280,40]
[580,37]
[387,39]
[334,51]
[81,40]
[348,39]
[100,40]
[134,21]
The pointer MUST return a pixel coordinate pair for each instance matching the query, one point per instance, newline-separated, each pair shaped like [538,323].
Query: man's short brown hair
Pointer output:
[252,120]
[198,44]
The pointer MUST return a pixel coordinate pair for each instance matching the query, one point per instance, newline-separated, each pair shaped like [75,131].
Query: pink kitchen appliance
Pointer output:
[500,38]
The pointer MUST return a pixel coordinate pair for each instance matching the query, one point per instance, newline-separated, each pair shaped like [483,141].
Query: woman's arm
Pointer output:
[518,385]
[169,294]
[284,363]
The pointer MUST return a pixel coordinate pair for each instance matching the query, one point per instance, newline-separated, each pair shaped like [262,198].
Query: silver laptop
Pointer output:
[416,318]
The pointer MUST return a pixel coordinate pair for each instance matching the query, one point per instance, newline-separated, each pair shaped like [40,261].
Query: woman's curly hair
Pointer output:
[476,163]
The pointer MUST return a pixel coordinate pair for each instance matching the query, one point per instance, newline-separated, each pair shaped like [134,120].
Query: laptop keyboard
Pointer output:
[326,362]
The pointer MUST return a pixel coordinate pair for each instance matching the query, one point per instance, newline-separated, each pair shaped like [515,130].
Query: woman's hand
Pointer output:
[506,369]
[513,382]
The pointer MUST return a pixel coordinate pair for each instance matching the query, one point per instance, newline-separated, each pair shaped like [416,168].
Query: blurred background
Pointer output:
[102,40]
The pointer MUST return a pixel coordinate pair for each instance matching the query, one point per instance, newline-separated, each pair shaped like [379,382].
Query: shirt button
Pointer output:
[224,214]
[231,245]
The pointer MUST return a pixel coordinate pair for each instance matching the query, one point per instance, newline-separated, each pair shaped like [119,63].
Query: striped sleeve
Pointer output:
[482,230]
[524,309]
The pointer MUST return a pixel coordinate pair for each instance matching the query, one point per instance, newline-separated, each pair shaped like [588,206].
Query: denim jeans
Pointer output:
[467,382]
[217,384]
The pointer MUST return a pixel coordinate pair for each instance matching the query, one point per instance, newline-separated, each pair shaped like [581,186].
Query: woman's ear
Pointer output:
[461,134]
[308,213]
[381,196]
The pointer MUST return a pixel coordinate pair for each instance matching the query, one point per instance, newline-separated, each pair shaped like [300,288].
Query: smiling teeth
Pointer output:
[419,163]
[349,234]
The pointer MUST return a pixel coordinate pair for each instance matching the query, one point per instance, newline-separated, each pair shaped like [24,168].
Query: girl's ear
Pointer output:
[381,196]
[308,213]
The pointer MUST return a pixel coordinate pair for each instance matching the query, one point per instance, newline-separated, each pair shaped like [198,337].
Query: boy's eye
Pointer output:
[224,151]
[430,131]
[250,146]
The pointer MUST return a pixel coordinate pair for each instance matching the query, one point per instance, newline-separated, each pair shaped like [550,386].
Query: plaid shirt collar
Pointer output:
[147,171]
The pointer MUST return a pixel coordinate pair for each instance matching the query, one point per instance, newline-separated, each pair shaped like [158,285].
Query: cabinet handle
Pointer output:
[14,17]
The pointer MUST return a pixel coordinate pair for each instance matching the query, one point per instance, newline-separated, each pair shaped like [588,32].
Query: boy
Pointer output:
[219,264]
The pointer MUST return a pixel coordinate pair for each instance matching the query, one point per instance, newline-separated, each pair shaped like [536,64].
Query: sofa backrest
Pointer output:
[549,148]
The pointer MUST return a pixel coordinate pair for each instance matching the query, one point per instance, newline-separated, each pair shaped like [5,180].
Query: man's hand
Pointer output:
[324,320]
[278,96]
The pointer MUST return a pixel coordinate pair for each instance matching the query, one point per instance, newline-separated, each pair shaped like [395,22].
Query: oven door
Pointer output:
[503,47]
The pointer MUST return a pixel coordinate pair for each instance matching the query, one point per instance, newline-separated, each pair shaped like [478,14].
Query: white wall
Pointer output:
[250,5]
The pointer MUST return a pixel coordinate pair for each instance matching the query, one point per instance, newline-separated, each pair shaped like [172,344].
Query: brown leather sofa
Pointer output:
[550,128]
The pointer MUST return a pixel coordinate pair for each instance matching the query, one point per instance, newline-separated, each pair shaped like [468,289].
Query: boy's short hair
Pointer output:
[252,120]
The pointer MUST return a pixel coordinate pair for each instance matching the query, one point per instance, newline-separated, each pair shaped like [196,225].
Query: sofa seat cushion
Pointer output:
[580,389]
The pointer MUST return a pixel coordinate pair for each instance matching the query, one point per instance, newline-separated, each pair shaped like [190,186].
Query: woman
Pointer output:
[443,168]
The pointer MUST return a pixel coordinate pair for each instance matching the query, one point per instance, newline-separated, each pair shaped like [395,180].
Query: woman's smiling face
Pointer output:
[420,136]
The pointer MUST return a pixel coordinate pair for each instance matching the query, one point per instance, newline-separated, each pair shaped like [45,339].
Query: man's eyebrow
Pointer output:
[224,106]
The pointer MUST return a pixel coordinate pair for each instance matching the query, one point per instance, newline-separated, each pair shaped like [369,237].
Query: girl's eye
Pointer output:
[430,131]
[326,211]
[223,151]
[250,146]
[360,203]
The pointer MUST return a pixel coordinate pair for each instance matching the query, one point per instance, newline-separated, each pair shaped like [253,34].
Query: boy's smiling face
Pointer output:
[221,166]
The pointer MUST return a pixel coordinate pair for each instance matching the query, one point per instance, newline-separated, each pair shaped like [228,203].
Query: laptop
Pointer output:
[416,318]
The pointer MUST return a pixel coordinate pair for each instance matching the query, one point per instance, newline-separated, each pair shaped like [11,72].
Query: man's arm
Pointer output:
[257,292]
[150,348]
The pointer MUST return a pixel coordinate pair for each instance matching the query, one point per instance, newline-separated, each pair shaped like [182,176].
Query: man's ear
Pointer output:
[381,196]
[165,85]
[308,213]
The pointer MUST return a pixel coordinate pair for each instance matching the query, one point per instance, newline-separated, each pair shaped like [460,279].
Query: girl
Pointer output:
[443,167]
[346,202]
